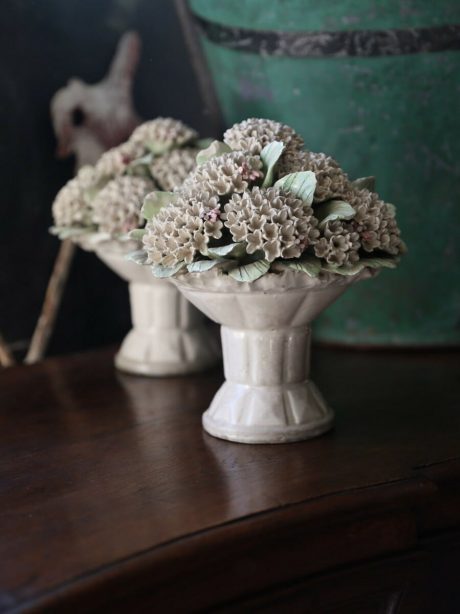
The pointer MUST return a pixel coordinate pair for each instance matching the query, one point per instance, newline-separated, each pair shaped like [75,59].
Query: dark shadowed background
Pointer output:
[388,109]
[42,44]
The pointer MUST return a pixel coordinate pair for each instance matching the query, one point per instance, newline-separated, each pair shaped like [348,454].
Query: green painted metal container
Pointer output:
[376,84]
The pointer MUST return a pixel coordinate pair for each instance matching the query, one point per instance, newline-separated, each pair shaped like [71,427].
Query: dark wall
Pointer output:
[42,44]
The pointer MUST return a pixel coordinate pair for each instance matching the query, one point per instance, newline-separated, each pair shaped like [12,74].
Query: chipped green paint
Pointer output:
[396,117]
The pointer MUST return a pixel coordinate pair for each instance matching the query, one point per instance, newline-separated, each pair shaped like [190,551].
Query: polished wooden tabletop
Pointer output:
[108,485]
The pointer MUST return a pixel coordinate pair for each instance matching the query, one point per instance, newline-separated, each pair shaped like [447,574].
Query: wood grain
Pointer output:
[112,495]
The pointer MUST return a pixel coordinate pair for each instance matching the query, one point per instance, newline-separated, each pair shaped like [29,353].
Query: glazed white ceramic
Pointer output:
[169,336]
[267,396]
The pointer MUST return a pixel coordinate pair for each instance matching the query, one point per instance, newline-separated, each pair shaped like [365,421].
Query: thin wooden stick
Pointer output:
[52,302]
[6,356]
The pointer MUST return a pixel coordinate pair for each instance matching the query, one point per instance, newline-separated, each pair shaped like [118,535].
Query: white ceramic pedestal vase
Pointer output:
[169,336]
[267,396]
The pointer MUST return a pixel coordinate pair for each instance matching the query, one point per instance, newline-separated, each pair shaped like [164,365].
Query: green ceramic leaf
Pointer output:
[270,155]
[155,201]
[145,160]
[333,210]
[199,266]
[307,264]
[301,184]
[251,271]
[372,263]
[367,183]
[55,230]
[139,256]
[137,234]
[389,262]
[204,143]
[235,250]
[161,271]
[158,149]
[217,148]
[342,270]
[90,193]
[68,232]
[95,238]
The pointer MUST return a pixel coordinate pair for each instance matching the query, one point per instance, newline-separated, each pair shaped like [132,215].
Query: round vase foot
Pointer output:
[168,352]
[160,369]
[268,414]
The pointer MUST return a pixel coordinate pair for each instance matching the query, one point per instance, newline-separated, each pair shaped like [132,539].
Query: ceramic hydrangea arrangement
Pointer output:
[101,205]
[103,201]
[262,236]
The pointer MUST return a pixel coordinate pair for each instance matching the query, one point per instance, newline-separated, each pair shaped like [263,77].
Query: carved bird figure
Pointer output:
[89,119]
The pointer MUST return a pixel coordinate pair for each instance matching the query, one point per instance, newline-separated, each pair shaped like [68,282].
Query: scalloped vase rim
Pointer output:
[284,281]
[109,244]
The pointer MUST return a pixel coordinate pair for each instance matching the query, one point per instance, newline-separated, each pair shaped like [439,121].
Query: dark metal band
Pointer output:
[360,43]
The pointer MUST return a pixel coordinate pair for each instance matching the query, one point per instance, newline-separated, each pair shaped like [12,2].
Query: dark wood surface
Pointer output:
[112,495]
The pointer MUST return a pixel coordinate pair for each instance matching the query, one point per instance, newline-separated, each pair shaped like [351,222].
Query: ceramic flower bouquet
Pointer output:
[101,205]
[262,236]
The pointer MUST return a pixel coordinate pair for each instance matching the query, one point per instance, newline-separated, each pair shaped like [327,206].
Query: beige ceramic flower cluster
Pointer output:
[226,174]
[271,221]
[107,198]
[252,135]
[115,161]
[72,206]
[375,222]
[339,244]
[163,134]
[258,201]
[117,206]
[182,230]
[170,169]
